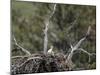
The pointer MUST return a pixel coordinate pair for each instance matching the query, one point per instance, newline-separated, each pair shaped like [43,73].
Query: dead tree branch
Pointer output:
[14,57]
[89,54]
[76,47]
[46,30]
[23,49]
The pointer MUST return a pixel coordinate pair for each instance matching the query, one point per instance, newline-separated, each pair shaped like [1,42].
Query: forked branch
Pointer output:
[76,47]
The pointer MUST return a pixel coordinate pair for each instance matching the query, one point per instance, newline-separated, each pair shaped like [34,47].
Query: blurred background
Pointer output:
[67,26]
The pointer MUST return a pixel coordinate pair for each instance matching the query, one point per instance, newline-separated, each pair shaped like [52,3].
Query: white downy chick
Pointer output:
[50,51]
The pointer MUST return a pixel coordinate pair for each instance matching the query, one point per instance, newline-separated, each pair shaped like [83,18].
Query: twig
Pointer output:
[24,50]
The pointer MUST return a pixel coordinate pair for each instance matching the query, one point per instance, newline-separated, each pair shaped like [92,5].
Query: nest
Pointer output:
[38,63]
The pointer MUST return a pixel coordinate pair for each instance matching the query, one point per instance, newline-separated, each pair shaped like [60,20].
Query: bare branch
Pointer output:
[84,51]
[89,54]
[46,30]
[78,44]
[81,40]
[54,9]
[88,32]
[29,56]
[76,47]
[24,50]
[14,57]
